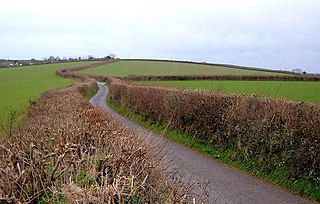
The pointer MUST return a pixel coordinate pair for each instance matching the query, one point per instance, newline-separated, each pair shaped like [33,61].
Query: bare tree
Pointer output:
[7,125]
[298,71]
[112,55]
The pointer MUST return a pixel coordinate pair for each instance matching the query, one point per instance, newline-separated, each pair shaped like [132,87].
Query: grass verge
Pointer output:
[279,175]
[91,93]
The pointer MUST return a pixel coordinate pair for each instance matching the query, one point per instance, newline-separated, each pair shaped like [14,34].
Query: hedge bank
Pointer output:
[223,77]
[282,132]
[70,152]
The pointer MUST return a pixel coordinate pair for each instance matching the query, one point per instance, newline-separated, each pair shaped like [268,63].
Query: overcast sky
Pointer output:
[278,34]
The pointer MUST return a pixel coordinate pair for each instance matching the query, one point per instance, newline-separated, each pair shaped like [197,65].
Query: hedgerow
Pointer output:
[282,132]
[223,77]
[69,152]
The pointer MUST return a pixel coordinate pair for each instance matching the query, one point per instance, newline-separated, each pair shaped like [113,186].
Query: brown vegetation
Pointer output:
[282,132]
[71,152]
[225,77]
[69,72]
[213,64]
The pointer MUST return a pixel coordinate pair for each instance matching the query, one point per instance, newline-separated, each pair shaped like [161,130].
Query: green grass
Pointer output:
[18,85]
[91,93]
[125,68]
[293,90]
[226,153]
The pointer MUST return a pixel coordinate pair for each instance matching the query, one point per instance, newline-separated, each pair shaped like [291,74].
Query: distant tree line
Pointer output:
[4,63]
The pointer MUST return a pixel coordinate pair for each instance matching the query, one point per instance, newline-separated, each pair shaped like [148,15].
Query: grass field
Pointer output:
[293,90]
[125,68]
[18,85]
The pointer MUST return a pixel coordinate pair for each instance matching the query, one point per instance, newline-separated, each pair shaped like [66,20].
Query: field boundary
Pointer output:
[222,77]
[69,151]
[275,133]
[213,64]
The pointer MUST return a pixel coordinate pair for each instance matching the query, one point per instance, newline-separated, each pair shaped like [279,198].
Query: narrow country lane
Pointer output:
[226,184]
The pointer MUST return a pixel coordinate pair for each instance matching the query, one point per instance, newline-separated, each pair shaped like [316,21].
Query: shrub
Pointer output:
[223,77]
[283,132]
[71,152]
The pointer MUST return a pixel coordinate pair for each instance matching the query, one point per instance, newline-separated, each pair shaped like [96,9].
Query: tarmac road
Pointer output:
[226,184]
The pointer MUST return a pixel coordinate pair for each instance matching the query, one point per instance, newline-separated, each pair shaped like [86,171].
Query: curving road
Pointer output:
[226,184]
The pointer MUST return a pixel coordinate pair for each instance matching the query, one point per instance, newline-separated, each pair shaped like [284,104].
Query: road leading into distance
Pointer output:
[226,184]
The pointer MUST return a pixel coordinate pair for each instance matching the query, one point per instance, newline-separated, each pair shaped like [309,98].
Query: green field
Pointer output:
[18,85]
[125,68]
[293,90]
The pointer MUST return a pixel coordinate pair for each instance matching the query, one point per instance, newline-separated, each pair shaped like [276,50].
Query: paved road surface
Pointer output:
[226,185]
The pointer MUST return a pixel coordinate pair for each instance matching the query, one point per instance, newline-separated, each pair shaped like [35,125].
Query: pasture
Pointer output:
[125,68]
[293,90]
[18,85]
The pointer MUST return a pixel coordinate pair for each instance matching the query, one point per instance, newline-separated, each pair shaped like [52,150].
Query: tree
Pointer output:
[51,58]
[11,119]
[297,70]
[112,56]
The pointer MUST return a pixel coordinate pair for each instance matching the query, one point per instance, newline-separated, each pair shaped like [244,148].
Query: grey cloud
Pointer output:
[275,34]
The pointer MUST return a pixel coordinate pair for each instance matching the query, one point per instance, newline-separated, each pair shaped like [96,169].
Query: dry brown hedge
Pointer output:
[212,64]
[283,132]
[224,77]
[70,71]
[71,152]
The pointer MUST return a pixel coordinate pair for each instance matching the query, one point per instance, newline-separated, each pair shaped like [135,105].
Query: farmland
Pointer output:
[125,68]
[18,85]
[293,90]
[253,130]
